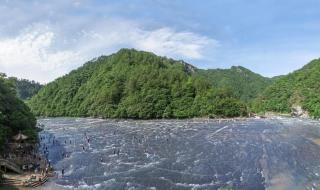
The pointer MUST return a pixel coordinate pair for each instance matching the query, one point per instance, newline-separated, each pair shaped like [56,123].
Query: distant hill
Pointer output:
[300,88]
[135,84]
[26,88]
[243,82]
[15,116]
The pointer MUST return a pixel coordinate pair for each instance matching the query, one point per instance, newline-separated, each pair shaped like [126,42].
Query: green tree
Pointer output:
[134,84]
[301,88]
[15,116]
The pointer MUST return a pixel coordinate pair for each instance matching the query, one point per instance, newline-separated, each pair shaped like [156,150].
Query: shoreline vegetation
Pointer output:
[137,85]
[141,85]
[15,115]
[20,160]
[297,92]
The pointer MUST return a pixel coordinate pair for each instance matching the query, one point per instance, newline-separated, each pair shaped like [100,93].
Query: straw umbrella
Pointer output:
[20,137]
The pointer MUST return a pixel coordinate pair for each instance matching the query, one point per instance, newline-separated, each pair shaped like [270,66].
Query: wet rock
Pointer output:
[297,111]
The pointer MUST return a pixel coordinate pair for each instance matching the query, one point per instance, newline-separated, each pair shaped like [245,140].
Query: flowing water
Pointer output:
[277,153]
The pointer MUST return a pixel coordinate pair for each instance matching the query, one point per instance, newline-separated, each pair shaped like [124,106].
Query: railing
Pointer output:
[10,165]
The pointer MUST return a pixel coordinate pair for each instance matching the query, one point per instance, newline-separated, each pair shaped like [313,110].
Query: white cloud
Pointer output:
[43,53]
[165,41]
[31,55]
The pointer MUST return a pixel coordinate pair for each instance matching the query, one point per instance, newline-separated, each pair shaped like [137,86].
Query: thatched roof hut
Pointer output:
[20,137]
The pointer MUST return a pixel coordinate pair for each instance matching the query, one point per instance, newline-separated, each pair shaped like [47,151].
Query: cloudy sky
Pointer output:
[42,40]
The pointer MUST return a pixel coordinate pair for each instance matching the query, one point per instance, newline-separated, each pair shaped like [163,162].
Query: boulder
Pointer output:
[297,111]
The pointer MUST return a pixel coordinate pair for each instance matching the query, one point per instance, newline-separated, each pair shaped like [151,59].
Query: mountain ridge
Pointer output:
[299,88]
[25,88]
[245,83]
[135,84]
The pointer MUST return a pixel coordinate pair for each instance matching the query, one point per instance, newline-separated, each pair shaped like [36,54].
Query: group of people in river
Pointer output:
[45,162]
[45,142]
[84,145]
[50,140]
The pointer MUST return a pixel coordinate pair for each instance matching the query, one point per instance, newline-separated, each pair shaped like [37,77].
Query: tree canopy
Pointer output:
[15,116]
[244,83]
[25,88]
[301,87]
[135,84]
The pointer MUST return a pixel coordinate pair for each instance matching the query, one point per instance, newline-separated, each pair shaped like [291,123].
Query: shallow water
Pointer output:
[249,154]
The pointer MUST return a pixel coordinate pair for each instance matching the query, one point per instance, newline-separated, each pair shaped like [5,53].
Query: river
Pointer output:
[274,153]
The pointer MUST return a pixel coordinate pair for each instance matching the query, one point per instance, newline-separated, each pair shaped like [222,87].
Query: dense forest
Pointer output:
[243,82]
[300,88]
[25,88]
[15,116]
[136,84]
[141,85]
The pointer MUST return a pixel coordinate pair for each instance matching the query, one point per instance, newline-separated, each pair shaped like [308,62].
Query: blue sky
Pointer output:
[42,40]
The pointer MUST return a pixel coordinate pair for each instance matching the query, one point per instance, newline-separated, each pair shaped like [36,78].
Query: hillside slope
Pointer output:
[15,116]
[300,88]
[25,88]
[243,82]
[135,84]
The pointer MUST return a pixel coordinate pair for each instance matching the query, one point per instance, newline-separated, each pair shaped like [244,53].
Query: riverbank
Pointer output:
[268,115]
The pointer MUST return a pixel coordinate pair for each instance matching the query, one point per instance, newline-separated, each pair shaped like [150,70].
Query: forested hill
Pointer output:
[300,88]
[135,84]
[15,116]
[243,82]
[25,88]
